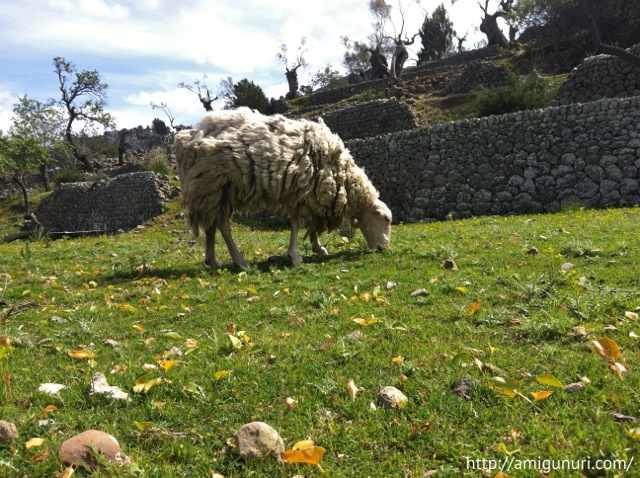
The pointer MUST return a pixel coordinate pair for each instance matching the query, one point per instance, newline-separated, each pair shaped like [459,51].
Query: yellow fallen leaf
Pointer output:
[475,306]
[618,368]
[398,359]
[80,354]
[48,408]
[159,404]
[142,426]
[291,403]
[34,442]
[403,378]
[142,385]
[631,315]
[235,341]
[311,454]
[191,343]
[501,474]
[139,328]
[68,472]
[220,374]
[546,379]
[606,348]
[365,297]
[634,433]
[169,364]
[541,395]
[366,322]
[352,390]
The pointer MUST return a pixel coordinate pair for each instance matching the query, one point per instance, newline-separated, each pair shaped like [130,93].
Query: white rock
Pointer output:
[51,388]
[391,397]
[99,386]
[8,432]
[258,440]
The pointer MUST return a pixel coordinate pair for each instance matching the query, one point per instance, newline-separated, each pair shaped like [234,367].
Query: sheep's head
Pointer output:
[375,224]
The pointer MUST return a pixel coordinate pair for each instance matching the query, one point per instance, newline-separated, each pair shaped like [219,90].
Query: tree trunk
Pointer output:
[121,145]
[25,194]
[378,64]
[74,147]
[44,175]
[489,27]
[292,80]
[605,49]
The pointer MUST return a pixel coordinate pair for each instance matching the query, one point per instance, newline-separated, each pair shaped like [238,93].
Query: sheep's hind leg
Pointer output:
[210,248]
[225,230]
[315,245]
[292,252]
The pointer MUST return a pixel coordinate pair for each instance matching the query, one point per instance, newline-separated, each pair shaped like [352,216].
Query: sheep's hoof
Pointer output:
[215,265]
[242,264]
[295,260]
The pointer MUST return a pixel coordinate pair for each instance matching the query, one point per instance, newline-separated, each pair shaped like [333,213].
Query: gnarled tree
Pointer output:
[489,24]
[84,97]
[291,72]
[203,92]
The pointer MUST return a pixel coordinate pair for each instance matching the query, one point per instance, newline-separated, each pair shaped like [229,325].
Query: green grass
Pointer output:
[303,343]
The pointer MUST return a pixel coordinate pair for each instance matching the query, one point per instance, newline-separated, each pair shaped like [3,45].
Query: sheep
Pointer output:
[241,161]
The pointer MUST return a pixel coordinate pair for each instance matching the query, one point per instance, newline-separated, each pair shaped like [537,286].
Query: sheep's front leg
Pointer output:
[315,245]
[225,230]
[292,252]
[210,248]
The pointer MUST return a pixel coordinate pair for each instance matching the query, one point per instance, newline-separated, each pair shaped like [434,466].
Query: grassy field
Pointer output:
[529,297]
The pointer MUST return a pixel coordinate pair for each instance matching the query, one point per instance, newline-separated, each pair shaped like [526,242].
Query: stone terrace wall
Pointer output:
[526,162]
[123,202]
[601,76]
[371,118]
[335,95]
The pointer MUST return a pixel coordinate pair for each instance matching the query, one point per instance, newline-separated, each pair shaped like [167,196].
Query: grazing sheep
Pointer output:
[239,160]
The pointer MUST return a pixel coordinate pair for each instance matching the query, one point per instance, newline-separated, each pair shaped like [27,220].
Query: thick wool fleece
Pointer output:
[239,160]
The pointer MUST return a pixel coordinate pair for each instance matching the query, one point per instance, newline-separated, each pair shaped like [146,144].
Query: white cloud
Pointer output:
[7,100]
[144,48]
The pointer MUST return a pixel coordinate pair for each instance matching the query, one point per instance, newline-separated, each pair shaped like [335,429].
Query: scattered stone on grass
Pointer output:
[620,418]
[391,397]
[8,432]
[79,450]
[450,264]
[464,387]
[258,440]
[51,388]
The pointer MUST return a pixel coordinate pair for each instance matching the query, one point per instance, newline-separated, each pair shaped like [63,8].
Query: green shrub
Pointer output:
[519,93]
[67,174]
[157,162]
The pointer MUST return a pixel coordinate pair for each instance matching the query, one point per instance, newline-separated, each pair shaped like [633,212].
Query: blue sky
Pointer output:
[144,48]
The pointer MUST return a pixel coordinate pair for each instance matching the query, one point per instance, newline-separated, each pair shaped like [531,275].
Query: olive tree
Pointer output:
[83,98]
[20,158]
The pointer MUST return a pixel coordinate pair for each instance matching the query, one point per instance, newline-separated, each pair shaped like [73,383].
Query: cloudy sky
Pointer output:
[144,48]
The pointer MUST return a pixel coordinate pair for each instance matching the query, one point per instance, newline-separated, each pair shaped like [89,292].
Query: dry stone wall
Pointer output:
[371,118]
[527,162]
[601,76]
[123,202]
[335,95]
